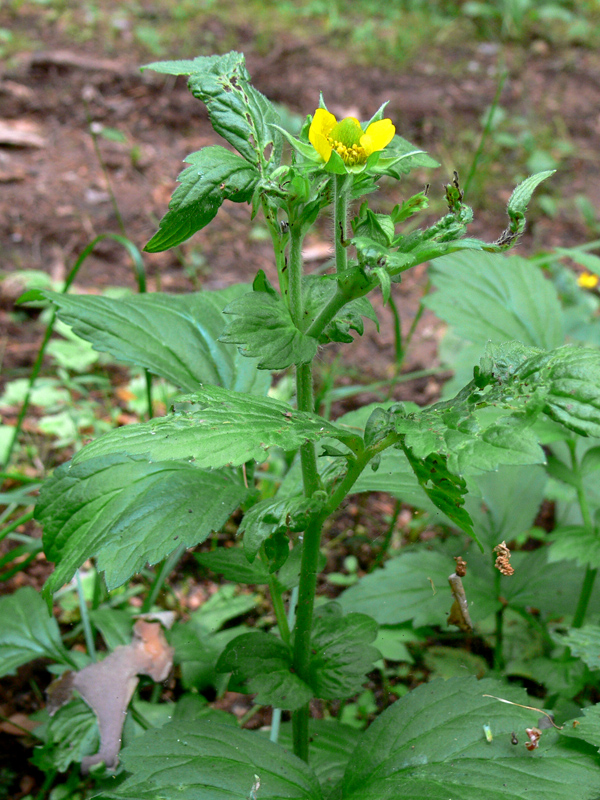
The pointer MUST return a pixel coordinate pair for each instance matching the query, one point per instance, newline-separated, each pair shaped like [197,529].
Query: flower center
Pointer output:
[344,138]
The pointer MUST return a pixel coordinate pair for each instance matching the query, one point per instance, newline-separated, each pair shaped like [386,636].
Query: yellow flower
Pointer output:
[347,137]
[587,281]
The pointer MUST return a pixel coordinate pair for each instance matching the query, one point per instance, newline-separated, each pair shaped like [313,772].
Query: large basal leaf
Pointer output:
[341,656]
[586,727]
[508,502]
[263,328]
[330,747]
[576,543]
[413,586]
[126,512]
[214,175]
[431,744]
[27,631]
[585,644]
[212,761]
[214,428]
[486,296]
[69,736]
[174,336]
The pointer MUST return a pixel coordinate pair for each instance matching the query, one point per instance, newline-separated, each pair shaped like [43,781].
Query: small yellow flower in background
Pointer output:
[347,137]
[587,281]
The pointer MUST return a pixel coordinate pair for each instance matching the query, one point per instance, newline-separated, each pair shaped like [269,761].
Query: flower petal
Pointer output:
[321,125]
[378,135]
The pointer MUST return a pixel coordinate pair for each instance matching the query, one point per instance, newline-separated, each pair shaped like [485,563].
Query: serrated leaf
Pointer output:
[174,336]
[575,543]
[317,291]
[341,656]
[69,736]
[330,746]
[586,727]
[263,328]
[233,565]
[214,175]
[277,515]
[126,512]
[28,631]
[180,759]
[445,490]
[585,644]
[216,427]
[413,586]
[341,651]
[262,664]
[431,744]
[486,296]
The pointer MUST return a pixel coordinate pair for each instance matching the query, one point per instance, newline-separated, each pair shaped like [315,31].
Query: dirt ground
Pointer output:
[55,195]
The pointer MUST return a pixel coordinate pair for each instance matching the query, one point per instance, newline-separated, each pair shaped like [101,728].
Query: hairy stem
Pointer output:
[340,216]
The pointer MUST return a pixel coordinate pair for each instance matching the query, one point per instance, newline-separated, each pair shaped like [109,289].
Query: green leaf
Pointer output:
[519,199]
[28,631]
[585,644]
[114,625]
[575,543]
[174,336]
[431,744]
[586,727]
[445,490]
[126,512]
[263,327]
[508,504]
[262,664]
[317,291]
[413,586]
[495,297]
[277,515]
[330,747]
[341,651]
[233,565]
[341,657]
[214,175]
[69,736]
[238,112]
[185,760]
[216,427]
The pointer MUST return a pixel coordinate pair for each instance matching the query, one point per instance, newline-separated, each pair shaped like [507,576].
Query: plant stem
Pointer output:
[379,558]
[15,524]
[162,573]
[499,646]
[589,579]
[486,130]
[340,216]
[85,619]
[279,608]
[398,348]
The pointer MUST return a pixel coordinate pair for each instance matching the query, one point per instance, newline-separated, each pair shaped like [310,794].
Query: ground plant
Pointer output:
[520,423]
